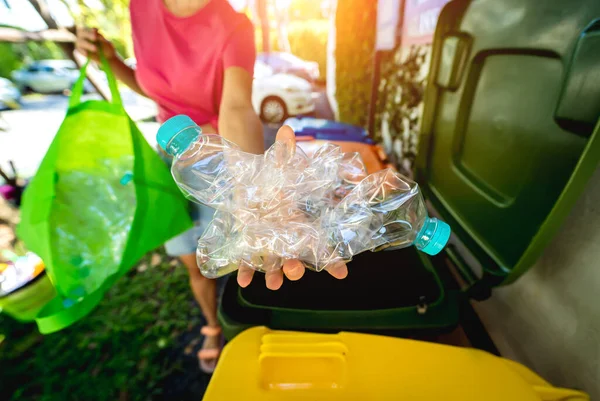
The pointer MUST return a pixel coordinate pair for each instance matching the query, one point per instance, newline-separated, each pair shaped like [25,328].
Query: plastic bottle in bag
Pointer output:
[282,205]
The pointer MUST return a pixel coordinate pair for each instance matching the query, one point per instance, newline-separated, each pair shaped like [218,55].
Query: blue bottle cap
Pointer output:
[172,127]
[126,179]
[439,239]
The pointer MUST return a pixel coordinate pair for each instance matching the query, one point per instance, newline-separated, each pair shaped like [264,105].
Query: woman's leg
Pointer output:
[205,293]
[204,289]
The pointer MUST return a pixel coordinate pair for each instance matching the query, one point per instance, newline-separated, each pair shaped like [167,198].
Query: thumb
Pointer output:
[286,134]
[285,145]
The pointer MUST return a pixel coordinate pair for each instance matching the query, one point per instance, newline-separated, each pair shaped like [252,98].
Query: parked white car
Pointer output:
[46,76]
[278,96]
[288,63]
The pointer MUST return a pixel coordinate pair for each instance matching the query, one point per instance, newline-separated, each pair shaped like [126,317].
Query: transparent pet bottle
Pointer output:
[322,209]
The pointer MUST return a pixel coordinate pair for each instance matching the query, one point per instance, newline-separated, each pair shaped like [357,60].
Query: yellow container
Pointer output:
[265,365]
[34,292]
[25,303]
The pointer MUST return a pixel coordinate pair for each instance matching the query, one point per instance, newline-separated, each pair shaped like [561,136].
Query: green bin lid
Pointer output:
[506,148]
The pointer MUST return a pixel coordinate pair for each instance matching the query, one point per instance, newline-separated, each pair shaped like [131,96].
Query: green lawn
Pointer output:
[126,349]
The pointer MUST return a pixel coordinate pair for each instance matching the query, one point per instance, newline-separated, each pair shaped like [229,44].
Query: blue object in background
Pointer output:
[322,129]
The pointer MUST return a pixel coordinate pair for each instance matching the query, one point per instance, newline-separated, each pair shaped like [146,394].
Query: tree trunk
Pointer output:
[282,15]
[41,6]
[261,11]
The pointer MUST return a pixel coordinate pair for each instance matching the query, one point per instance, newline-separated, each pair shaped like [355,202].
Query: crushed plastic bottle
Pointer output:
[283,205]
[85,260]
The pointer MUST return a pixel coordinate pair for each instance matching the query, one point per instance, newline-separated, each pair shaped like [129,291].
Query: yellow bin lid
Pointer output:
[265,365]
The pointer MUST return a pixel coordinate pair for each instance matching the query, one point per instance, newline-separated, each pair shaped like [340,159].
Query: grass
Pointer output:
[123,350]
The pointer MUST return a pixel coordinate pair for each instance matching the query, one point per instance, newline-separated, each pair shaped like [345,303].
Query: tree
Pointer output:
[308,9]
[282,17]
[110,16]
[41,6]
[261,11]
[44,11]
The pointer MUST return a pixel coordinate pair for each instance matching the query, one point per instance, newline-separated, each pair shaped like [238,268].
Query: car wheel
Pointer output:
[273,110]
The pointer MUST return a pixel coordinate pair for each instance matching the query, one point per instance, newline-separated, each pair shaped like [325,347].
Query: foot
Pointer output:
[211,348]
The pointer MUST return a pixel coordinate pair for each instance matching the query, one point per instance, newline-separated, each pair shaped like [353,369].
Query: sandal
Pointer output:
[210,354]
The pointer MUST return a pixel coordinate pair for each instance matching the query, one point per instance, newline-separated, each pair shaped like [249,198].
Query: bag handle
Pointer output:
[112,83]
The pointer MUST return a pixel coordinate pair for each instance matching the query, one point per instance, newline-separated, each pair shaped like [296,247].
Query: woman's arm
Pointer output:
[238,121]
[88,42]
[125,74]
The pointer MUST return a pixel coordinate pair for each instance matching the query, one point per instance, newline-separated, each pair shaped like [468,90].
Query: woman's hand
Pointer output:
[293,269]
[89,40]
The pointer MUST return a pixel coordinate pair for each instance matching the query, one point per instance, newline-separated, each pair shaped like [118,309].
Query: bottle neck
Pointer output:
[425,234]
[182,140]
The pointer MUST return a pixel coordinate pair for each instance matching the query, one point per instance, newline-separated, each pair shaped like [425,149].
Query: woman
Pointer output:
[196,57]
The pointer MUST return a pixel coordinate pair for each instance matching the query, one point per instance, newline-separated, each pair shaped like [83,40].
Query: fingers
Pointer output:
[274,279]
[244,276]
[85,47]
[285,146]
[338,270]
[88,40]
[293,269]
[85,43]
[90,34]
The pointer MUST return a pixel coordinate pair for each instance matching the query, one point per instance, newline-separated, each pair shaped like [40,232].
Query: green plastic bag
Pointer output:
[101,199]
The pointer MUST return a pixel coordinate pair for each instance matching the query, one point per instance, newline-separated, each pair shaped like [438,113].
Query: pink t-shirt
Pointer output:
[181,61]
